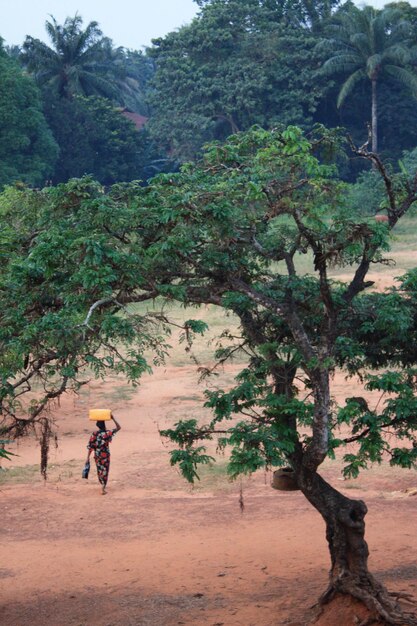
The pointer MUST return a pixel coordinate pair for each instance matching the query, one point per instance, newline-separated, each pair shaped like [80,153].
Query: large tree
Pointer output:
[76,63]
[27,148]
[131,71]
[229,231]
[95,138]
[75,271]
[238,63]
[368,45]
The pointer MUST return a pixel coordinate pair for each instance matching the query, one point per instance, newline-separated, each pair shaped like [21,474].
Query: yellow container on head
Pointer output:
[97,415]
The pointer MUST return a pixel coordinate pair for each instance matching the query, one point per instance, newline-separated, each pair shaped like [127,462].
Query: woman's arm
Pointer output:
[91,446]
[118,427]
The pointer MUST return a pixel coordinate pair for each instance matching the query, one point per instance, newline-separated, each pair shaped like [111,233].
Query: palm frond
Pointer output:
[341,64]
[331,46]
[93,84]
[360,42]
[404,76]
[349,85]
[79,60]
[397,54]
[379,34]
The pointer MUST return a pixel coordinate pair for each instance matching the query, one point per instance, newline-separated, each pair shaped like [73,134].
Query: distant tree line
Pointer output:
[245,62]
[72,95]
[239,63]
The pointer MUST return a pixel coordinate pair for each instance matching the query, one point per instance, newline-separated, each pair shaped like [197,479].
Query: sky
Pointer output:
[129,23]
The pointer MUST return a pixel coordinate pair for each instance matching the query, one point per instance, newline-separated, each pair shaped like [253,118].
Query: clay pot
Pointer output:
[283,479]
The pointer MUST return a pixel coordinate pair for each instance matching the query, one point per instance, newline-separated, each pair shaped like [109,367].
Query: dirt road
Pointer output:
[154,552]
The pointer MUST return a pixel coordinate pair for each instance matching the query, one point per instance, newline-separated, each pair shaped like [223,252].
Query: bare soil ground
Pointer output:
[155,552]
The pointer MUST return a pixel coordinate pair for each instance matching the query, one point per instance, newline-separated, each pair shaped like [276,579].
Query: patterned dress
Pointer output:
[99,442]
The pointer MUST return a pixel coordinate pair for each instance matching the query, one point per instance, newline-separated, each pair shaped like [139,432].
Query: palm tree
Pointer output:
[77,62]
[130,72]
[368,44]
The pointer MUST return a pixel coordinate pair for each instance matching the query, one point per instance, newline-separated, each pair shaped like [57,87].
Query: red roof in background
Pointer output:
[138,120]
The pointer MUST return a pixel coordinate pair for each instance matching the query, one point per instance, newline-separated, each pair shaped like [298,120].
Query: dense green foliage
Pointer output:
[27,148]
[58,258]
[95,138]
[239,63]
[92,135]
[131,71]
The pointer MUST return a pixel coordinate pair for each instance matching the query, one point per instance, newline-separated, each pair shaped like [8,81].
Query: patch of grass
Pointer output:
[121,393]
[194,397]
[30,474]
[402,252]
[185,412]
[214,478]
[20,475]
[204,346]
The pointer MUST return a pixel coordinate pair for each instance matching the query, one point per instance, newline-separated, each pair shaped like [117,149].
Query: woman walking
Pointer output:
[99,442]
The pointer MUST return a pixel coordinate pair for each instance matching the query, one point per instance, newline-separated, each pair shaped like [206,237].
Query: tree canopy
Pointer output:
[27,148]
[49,335]
[95,138]
[83,79]
[76,62]
[237,64]
[252,62]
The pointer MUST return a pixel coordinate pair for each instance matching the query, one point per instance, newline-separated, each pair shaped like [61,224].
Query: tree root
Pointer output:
[383,605]
[400,595]
[369,621]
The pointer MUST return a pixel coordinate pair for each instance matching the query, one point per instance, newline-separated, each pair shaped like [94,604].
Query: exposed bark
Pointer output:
[374,117]
[318,449]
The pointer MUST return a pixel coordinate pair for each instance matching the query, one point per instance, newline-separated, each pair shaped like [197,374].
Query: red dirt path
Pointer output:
[154,552]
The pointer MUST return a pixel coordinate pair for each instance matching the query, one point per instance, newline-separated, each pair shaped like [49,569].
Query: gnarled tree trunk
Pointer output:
[345,533]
